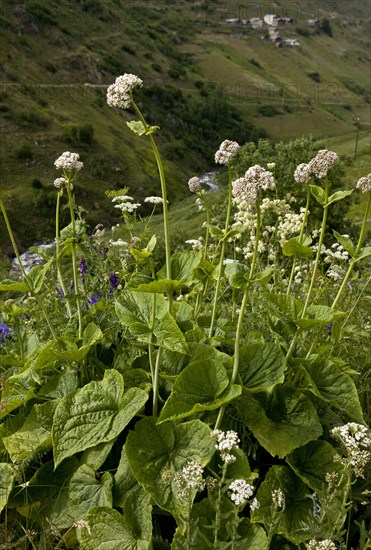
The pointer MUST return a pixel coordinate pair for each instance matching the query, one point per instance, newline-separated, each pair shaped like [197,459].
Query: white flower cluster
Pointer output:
[364,184]
[255,178]
[194,185]
[125,204]
[336,252]
[319,166]
[68,162]
[200,204]
[118,94]
[154,200]
[336,273]
[225,442]
[190,477]
[326,544]
[302,173]
[323,162]
[241,491]
[197,244]
[226,151]
[119,243]
[283,222]
[61,183]
[278,498]
[353,437]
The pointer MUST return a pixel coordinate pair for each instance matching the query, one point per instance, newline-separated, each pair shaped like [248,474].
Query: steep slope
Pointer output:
[204,80]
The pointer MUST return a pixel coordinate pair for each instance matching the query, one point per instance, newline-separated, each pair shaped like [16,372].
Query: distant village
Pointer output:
[274,22]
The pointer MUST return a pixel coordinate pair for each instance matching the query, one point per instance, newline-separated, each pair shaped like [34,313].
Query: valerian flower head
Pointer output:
[119,93]
[241,491]
[255,178]
[61,183]
[69,162]
[364,184]
[226,441]
[226,151]
[194,185]
[128,207]
[326,544]
[353,437]
[323,162]
[190,477]
[302,173]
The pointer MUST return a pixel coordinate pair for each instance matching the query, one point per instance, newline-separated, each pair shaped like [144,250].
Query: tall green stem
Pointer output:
[300,239]
[222,253]
[315,268]
[202,195]
[74,259]
[59,271]
[236,357]
[25,276]
[218,505]
[163,191]
[354,259]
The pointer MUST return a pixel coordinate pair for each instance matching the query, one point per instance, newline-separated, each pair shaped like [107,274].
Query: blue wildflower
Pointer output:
[93,299]
[4,332]
[83,269]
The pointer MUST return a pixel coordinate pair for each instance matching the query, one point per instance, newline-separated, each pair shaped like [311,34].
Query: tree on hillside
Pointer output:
[326,26]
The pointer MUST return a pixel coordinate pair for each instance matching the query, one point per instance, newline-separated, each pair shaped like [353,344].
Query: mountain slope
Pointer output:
[204,80]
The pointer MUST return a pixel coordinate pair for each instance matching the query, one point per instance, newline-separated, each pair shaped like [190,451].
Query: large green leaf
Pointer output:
[124,481]
[7,477]
[238,275]
[261,366]
[168,334]
[18,389]
[316,459]
[146,315]
[86,491]
[34,435]
[291,522]
[319,316]
[96,413]
[202,386]
[281,422]
[286,308]
[45,497]
[183,265]
[109,530]
[294,247]
[339,195]
[154,449]
[329,382]
[318,193]
[7,285]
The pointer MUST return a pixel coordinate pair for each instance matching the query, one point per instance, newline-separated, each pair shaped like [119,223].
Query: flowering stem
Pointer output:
[236,357]
[218,505]
[354,259]
[300,239]
[60,277]
[202,195]
[74,261]
[164,195]
[25,276]
[315,268]
[222,253]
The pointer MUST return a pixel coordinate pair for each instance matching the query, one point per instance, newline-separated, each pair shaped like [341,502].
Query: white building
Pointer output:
[271,19]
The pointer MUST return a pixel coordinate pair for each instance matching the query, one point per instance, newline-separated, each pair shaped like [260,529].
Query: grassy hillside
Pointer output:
[204,80]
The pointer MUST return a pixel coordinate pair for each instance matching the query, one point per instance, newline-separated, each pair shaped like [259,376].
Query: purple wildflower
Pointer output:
[93,299]
[60,292]
[83,269]
[329,328]
[4,332]
[113,280]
